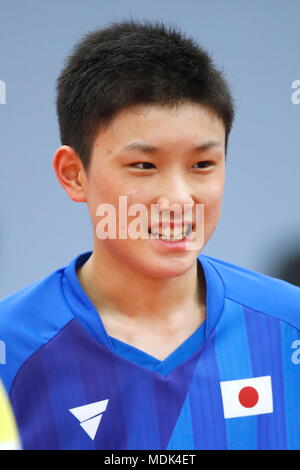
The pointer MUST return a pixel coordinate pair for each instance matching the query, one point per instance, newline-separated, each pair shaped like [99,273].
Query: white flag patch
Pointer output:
[247,397]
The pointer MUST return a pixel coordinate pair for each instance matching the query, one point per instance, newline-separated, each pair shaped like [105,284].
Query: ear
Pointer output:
[70,173]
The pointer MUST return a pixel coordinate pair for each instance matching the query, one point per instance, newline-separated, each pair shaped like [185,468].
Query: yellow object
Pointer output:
[9,439]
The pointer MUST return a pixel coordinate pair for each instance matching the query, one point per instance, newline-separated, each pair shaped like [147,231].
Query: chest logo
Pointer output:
[247,397]
[90,416]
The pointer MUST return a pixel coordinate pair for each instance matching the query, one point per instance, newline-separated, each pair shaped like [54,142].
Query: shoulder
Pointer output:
[260,292]
[32,301]
[29,318]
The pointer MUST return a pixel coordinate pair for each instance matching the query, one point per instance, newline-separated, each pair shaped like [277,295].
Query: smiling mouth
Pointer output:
[171,233]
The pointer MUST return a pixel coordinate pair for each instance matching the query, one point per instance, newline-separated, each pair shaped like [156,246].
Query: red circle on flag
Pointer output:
[248,397]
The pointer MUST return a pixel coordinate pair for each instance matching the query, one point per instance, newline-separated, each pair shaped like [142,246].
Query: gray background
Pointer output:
[256,43]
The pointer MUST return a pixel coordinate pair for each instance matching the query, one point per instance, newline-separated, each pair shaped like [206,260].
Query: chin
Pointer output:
[168,268]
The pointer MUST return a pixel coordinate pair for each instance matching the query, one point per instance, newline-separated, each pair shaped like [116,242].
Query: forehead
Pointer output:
[162,125]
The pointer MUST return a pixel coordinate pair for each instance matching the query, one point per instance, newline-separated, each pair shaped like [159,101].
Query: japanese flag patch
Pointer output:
[247,397]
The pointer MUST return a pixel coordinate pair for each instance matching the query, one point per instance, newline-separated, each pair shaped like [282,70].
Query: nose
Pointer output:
[178,199]
[165,203]
[176,191]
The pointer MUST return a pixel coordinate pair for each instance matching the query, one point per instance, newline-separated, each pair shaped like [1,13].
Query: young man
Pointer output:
[144,343]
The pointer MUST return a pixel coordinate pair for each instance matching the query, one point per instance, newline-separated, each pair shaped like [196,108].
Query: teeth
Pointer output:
[176,234]
[166,232]
[172,238]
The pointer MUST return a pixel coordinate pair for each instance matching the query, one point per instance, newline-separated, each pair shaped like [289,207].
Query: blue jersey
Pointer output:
[233,384]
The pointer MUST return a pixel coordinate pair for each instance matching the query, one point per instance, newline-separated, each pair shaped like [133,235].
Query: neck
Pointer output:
[140,297]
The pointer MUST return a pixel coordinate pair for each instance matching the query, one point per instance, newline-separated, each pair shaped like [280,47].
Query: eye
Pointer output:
[142,163]
[205,164]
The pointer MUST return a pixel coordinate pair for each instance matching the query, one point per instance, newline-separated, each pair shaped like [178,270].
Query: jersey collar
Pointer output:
[85,312]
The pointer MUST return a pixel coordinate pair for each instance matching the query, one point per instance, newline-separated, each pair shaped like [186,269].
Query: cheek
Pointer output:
[212,205]
[107,193]
[213,194]
[134,196]
[102,192]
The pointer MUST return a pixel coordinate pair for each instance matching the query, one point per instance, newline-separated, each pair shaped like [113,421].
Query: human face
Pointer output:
[175,172]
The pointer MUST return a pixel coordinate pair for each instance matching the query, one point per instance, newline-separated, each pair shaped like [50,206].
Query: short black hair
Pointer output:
[132,62]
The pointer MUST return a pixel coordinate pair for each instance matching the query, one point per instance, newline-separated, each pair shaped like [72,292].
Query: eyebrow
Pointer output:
[146,148]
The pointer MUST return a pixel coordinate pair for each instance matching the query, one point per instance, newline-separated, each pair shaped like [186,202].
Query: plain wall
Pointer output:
[255,43]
